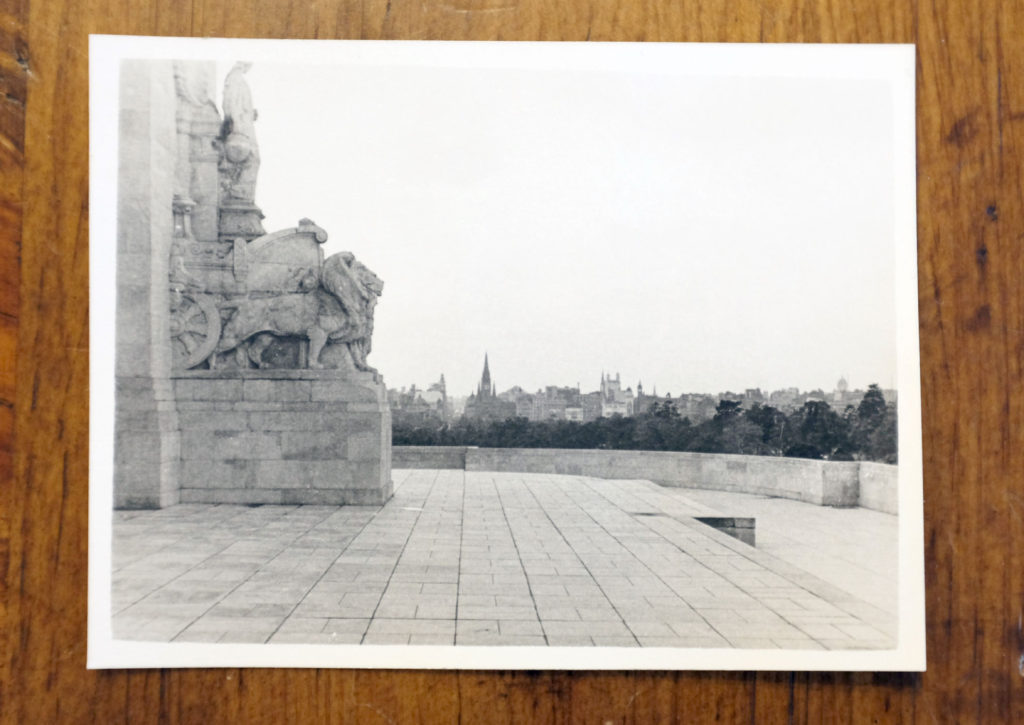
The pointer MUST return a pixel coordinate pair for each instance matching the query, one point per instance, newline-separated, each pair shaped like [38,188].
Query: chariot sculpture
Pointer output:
[276,294]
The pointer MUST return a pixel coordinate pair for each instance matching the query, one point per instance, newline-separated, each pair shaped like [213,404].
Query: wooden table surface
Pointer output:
[970,128]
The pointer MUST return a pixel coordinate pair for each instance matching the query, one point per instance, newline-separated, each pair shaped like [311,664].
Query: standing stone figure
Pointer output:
[238,135]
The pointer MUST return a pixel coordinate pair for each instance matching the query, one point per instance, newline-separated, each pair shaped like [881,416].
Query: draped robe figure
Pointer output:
[241,153]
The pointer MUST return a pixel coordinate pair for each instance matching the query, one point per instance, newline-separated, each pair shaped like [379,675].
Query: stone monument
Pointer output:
[265,341]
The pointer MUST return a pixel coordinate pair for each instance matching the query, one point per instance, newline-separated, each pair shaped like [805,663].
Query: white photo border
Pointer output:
[894,64]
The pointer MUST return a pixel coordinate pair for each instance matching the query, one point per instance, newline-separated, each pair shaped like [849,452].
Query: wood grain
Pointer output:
[970,125]
[13,81]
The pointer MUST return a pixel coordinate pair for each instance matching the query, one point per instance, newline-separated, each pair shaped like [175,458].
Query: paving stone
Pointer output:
[435,611]
[149,611]
[507,601]
[824,631]
[303,624]
[858,631]
[598,614]
[263,609]
[305,609]
[477,600]
[386,638]
[440,588]
[695,641]
[693,629]
[797,643]
[345,626]
[435,639]
[548,589]
[760,615]
[191,635]
[236,624]
[758,629]
[752,642]
[500,640]
[586,628]
[401,610]
[163,629]
[851,644]
[477,627]
[357,600]
[613,641]
[411,626]
[566,614]
[520,627]
[476,612]
[315,638]
[245,637]
[650,629]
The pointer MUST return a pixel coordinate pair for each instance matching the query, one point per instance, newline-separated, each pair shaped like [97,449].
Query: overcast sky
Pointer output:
[699,234]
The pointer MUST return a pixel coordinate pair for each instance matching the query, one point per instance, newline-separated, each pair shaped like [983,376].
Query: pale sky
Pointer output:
[699,234]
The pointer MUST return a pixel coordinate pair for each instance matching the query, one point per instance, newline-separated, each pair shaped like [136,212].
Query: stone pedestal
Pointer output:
[240,220]
[283,437]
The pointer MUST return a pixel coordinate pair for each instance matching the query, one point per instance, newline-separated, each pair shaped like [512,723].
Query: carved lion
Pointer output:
[338,310]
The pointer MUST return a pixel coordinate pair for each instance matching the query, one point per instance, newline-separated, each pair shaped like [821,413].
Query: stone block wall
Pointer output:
[429,457]
[283,437]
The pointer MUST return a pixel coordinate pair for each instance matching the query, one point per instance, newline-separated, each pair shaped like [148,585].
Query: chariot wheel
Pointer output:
[195,329]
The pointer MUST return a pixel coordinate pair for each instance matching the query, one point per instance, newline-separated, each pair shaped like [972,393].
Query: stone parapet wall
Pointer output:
[878,489]
[429,457]
[825,483]
[283,437]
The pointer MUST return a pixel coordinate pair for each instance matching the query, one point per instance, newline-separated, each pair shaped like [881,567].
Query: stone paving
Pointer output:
[853,549]
[476,558]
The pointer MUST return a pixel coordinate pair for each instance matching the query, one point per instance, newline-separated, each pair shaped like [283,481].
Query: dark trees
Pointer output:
[816,430]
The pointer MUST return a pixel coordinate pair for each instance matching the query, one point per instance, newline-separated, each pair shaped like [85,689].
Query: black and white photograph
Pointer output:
[503,355]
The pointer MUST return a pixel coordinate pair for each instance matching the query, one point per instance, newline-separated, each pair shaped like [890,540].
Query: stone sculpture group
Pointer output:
[247,299]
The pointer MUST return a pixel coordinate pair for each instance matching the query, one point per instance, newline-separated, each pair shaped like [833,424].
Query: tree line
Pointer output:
[863,432]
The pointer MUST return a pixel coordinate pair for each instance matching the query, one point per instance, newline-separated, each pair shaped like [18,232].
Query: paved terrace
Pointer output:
[471,558]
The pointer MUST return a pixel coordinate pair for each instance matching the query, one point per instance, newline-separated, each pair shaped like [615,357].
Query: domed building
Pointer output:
[841,396]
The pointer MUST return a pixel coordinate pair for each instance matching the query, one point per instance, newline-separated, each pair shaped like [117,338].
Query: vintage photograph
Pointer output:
[503,355]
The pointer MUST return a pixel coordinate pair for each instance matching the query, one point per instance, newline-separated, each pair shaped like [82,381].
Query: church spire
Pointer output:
[486,389]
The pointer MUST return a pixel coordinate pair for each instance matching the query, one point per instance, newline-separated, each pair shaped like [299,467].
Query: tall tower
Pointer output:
[485,389]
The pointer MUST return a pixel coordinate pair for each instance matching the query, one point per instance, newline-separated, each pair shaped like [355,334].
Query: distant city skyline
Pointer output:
[698,233]
[650,388]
